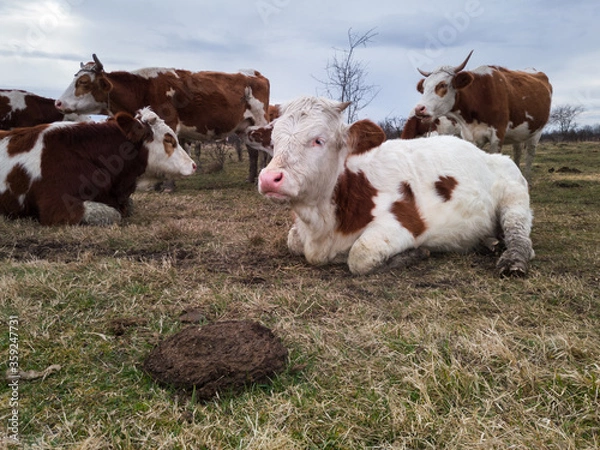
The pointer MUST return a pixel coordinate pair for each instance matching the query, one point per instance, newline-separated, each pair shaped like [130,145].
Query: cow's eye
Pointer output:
[318,142]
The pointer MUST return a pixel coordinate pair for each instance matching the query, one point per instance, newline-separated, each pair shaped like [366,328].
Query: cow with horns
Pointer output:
[490,104]
[197,105]
[376,204]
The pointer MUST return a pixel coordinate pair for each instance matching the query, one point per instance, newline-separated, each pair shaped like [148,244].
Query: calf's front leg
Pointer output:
[383,246]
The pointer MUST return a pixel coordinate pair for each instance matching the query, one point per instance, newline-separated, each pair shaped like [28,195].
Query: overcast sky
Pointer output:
[42,42]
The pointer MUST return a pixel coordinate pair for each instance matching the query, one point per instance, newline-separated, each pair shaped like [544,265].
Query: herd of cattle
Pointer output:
[357,198]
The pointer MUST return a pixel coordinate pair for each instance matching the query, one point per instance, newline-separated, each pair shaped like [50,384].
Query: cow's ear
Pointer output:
[420,85]
[342,106]
[104,85]
[132,129]
[364,135]
[462,80]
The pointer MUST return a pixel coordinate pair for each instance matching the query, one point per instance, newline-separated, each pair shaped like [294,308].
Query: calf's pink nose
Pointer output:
[421,110]
[270,181]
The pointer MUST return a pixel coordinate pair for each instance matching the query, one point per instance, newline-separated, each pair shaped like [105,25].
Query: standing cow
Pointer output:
[71,173]
[197,105]
[490,104]
[20,108]
[376,204]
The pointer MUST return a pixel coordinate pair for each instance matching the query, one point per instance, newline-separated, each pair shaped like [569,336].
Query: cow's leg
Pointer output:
[253,163]
[515,221]
[295,242]
[381,244]
[99,214]
[517,151]
[530,146]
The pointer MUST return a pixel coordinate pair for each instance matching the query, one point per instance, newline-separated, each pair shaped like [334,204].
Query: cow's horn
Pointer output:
[422,72]
[462,66]
[99,67]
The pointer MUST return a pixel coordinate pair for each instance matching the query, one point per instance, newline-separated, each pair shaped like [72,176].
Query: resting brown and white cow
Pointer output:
[71,173]
[376,204]
[416,127]
[25,109]
[490,104]
[197,105]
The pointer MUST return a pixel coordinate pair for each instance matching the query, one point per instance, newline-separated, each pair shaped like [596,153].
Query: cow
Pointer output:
[376,205]
[416,127]
[20,108]
[197,105]
[260,136]
[490,104]
[84,172]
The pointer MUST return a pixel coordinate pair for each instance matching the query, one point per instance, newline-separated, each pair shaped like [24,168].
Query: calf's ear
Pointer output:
[132,129]
[364,135]
[420,85]
[342,106]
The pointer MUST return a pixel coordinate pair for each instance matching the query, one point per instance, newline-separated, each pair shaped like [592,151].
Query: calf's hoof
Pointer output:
[512,268]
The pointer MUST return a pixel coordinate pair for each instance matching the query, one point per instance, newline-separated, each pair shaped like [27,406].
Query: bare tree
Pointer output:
[563,116]
[346,76]
[392,127]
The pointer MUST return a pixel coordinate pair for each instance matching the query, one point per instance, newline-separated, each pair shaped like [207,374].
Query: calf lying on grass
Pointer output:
[71,173]
[376,204]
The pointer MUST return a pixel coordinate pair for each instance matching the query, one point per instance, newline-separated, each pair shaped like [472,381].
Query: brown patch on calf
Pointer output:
[23,139]
[363,136]
[407,212]
[353,197]
[444,187]
[18,180]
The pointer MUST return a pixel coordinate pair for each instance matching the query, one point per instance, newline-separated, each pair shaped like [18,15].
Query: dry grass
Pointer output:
[441,355]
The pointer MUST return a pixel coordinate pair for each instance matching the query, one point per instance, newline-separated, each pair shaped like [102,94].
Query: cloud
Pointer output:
[43,41]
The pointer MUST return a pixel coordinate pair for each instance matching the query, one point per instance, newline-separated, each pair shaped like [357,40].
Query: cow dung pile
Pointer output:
[219,357]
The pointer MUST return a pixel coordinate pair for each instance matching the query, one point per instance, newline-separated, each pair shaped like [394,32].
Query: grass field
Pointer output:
[442,355]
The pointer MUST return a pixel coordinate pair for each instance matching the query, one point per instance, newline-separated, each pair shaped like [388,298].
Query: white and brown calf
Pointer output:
[376,204]
[84,173]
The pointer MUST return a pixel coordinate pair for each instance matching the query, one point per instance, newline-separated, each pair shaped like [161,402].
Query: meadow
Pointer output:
[440,355]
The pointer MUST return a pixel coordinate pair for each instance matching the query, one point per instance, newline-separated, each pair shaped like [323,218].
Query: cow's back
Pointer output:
[205,104]
[529,98]
[513,102]
[25,109]
[453,182]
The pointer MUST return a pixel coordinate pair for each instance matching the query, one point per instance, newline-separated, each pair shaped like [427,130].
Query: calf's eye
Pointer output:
[318,142]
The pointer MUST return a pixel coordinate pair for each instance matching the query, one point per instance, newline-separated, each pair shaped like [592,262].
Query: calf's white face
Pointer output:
[307,151]
[166,157]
